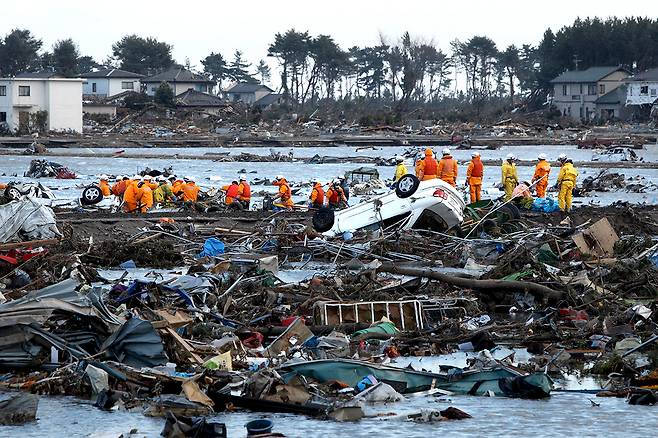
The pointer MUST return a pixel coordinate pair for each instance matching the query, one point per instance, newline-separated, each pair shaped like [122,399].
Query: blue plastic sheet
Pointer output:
[546,205]
[212,247]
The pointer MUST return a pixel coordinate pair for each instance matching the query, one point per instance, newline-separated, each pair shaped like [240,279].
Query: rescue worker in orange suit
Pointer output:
[119,187]
[474,174]
[316,200]
[542,170]
[283,199]
[177,186]
[336,196]
[190,191]
[448,168]
[132,195]
[105,186]
[231,193]
[427,168]
[244,193]
[148,180]
[145,201]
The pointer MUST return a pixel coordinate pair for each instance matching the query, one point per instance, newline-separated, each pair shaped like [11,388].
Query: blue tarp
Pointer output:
[212,247]
[546,205]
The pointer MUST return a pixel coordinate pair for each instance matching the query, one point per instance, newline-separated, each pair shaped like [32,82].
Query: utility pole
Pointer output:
[576,61]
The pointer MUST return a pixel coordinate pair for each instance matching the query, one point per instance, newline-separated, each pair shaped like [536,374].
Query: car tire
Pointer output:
[12,193]
[323,220]
[406,185]
[509,212]
[91,195]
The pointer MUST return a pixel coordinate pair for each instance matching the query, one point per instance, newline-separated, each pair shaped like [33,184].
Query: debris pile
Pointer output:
[261,313]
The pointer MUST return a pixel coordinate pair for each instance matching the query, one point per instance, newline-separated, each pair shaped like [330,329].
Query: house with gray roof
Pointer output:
[108,82]
[247,93]
[201,102]
[179,79]
[575,92]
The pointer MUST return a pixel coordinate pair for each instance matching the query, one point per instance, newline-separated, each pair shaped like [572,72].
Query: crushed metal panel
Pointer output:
[597,240]
[406,315]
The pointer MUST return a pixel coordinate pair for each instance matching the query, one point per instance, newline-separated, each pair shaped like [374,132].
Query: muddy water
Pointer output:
[88,168]
[562,414]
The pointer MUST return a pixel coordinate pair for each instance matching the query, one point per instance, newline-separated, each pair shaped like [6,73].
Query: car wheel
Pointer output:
[508,212]
[91,195]
[406,186]
[323,220]
[12,193]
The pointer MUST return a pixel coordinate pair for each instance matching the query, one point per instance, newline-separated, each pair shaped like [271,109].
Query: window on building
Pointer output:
[581,88]
[153,89]
[602,89]
[591,89]
[93,87]
[644,90]
[581,112]
[3,90]
[564,90]
[3,117]
[23,90]
[653,92]
[127,85]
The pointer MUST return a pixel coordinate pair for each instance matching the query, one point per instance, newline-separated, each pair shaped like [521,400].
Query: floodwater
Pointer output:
[209,173]
[564,413]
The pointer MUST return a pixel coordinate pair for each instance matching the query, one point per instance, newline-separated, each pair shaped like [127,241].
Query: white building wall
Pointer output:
[178,87]
[116,87]
[64,105]
[102,85]
[634,95]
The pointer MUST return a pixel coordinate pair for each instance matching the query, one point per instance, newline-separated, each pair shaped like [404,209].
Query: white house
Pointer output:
[179,79]
[110,82]
[643,88]
[30,93]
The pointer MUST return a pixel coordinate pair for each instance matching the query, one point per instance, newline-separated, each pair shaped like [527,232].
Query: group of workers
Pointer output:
[140,193]
[446,169]
[335,198]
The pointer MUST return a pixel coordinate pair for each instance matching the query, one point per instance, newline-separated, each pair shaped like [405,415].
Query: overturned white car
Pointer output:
[432,204]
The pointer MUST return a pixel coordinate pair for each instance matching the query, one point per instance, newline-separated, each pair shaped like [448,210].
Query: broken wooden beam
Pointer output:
[469,283]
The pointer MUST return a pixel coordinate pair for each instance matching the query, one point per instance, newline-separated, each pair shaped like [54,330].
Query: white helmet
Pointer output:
[137,177]
[511,157]
[147,177]
[541,156]
[103,176]
[562,157]
[315,180]
[445,151]
[243,177]
[475,154]
[278,177]
[399,159]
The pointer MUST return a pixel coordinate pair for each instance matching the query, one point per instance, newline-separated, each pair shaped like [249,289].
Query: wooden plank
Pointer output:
[183,344]
[46,242]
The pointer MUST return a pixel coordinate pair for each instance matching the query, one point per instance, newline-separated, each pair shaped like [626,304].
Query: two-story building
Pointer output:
[59,98]
[179,79]
[575,93]
[110,82]
[642,94]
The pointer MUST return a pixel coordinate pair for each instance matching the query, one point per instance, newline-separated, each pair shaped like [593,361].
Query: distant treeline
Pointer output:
[400,71]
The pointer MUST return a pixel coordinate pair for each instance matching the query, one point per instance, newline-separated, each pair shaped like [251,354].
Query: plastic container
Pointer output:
[259,426]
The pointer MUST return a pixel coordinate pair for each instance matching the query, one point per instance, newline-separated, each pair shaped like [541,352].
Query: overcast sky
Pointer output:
[198,27]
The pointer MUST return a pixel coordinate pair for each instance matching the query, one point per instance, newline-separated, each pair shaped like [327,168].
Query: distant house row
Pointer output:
[605,93]
[63,100]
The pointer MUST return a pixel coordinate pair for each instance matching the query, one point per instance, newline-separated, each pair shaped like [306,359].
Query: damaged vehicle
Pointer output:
[616,154]
[432,204]
[15,191]
[49,169]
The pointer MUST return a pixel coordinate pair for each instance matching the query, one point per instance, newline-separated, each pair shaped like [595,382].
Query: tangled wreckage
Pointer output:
[184,315]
